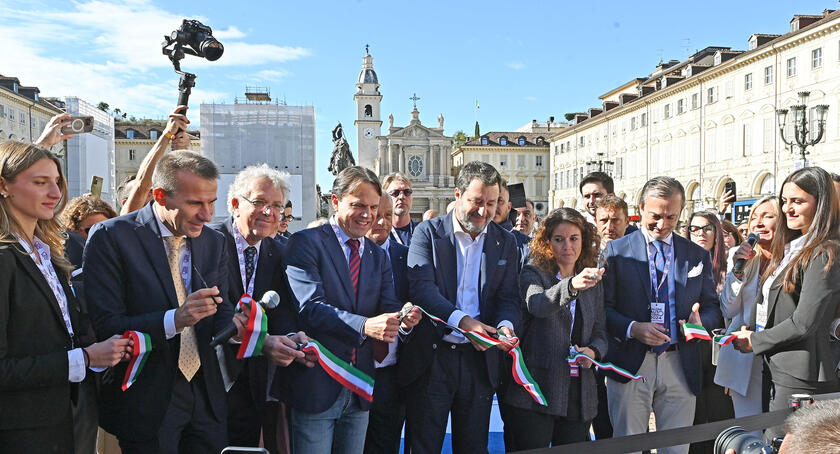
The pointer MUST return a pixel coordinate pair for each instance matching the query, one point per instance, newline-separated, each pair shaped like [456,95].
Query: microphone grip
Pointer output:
[223,335]
[738,268]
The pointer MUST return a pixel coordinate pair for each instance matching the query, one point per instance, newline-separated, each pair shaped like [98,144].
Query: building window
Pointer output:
[485,158]
[680,106]
[502,160]
[791,66]
[131,155]
[520,161]
[415,166]
[768,75]
[748,82]
[667,111]
[153,134]
[129,134]
[539,161]
[633,124]
[503,141]
[540,141]
[22,118]
[539,187]
[816,58]
[582,143]
[521,141]
[368,111]
[562,147]
[2,111]
[484,140]
[711,95]
[644,119]
[695,101]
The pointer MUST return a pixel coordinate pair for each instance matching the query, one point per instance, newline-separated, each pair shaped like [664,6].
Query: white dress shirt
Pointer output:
[669,241]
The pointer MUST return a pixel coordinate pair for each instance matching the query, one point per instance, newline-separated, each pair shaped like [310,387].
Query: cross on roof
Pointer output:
[415,99]
[367,49]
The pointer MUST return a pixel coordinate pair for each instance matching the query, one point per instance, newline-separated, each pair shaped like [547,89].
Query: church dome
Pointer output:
[368,76]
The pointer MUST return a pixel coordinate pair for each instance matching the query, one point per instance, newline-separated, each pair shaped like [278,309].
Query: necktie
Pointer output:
[250,253]
[380,349]
[661,289]
[188,359]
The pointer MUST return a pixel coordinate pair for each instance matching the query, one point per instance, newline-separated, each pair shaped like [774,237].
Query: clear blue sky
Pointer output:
[521,60]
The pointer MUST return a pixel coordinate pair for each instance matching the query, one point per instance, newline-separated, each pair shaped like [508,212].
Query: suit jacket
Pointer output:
[795,342]
[399,268]
[627,296]
[34,387]
[270,275]
[129,287]
[546,328]
[433,284]
[522,242]
[330,312]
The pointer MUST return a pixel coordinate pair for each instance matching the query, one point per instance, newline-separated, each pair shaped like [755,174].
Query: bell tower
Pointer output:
[368,123]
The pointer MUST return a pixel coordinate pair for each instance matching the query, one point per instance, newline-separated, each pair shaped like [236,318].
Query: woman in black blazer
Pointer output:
[565,311]
[40,359]
[799,292]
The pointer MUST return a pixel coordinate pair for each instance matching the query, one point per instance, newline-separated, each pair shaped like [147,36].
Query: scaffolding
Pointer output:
[257,94]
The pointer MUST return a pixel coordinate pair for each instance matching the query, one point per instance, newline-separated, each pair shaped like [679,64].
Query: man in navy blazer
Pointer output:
[462,268]
[654,282]
[173,406]
[344,288]
[255,265]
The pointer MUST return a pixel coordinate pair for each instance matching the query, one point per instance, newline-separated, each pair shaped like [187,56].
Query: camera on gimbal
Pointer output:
[193,38]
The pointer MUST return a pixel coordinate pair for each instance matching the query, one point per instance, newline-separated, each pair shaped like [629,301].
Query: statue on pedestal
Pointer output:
[341,157]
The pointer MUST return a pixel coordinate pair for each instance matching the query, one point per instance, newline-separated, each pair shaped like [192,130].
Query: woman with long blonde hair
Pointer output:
[41,361]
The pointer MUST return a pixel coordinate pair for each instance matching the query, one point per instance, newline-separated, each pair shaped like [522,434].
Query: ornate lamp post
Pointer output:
[801,119]
[600,165]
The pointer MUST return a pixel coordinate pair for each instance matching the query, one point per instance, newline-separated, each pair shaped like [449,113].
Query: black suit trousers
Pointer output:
[387,414]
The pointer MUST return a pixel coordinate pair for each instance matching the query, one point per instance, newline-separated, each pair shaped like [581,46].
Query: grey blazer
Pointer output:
[545,341]
[795,343]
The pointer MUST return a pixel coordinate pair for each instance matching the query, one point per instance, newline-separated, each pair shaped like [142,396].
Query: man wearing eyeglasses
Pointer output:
[283,232]
[256,200]
[398,186]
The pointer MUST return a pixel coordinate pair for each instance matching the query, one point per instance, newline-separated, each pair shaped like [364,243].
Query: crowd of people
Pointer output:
[405,303]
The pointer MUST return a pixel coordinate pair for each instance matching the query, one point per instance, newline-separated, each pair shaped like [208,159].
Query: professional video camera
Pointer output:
[193,38]
[744,442]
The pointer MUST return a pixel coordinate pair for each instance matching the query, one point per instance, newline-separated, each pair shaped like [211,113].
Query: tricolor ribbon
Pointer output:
[693,331]
[521,374]
[573,359]
[256,329]
[725,340]
[142,346]
[341,371]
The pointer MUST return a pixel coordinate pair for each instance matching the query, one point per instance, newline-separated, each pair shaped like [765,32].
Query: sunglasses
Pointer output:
[396,192]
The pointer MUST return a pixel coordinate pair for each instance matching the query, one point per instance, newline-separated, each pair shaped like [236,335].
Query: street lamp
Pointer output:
[600,165]
[800,124]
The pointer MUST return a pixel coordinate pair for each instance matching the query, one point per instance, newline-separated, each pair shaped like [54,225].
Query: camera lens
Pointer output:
[77,125]
[741,441]
[212,49]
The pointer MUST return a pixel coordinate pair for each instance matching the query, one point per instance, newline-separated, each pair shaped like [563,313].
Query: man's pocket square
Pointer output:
[694,272]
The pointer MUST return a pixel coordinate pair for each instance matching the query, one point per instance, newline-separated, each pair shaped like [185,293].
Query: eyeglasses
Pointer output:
[284,218]
[396,192]
[707,229]
[262,206]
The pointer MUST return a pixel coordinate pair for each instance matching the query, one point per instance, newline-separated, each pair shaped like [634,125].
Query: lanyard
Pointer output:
[397,234]
[656,285]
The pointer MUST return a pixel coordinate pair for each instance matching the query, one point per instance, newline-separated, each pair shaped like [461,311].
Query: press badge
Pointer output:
[760,316]
[657,313]
[574,369]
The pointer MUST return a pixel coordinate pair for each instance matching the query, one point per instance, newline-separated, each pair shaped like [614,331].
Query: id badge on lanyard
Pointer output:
[657,308]
[761,316]
[574,369]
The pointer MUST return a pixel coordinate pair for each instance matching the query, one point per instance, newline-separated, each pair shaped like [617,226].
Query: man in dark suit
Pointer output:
[502,217]
[656,280]
[343,285]
[462,268]
[157,271]
[255,265]
[387,414]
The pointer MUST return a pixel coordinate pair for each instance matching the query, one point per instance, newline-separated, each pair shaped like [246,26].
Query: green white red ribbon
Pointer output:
[725,340]
[573,359]
[256,329]
[142,346]
[521,374]
[693,331]
[341,371]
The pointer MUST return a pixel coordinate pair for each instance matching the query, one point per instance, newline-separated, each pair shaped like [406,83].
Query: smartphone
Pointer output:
[730,187]
[78,125]
[96,186]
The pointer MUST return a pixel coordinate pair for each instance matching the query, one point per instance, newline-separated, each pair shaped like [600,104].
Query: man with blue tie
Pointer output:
[462,268]
[654,282]
[344,289]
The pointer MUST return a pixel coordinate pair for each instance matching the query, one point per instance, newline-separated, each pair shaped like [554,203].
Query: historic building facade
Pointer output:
[709,119]
[521,157]
[134,140]
[421,152]
[23,114]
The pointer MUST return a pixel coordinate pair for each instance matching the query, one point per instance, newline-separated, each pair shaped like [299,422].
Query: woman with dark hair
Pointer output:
[731,236]
[799,292]
[705,230]
[740,372]
[41,359]
[564,300]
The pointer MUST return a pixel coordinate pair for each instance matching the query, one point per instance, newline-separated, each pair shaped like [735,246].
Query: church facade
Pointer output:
[423,153]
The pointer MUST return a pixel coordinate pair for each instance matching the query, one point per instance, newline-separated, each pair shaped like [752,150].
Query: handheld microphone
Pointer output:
[738,268]
[270,300]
